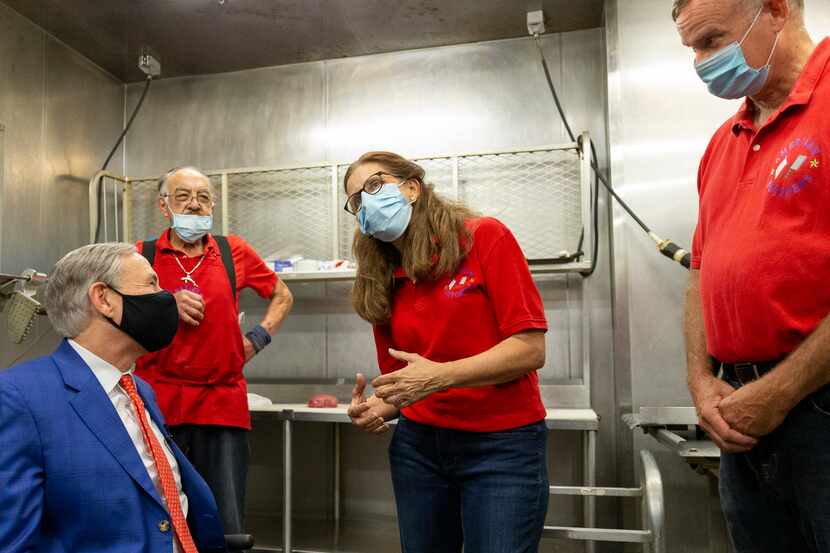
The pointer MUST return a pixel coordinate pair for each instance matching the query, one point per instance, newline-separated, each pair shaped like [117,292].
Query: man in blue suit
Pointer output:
[86,463]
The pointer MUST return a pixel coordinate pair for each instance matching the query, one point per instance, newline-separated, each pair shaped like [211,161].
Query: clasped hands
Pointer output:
[417,380]
[736,419]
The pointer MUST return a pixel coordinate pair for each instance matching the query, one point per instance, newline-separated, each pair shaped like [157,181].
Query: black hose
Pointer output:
[617,197]
[553,88]
[595,193]
[666,247]
[115,147]
[594,163]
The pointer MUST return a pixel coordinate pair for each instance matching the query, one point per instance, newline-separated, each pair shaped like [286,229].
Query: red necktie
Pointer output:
[168,483]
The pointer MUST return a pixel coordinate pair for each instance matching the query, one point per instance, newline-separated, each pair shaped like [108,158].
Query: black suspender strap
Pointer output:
[227,261]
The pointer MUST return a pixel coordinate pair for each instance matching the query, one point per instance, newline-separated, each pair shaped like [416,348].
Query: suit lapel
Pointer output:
[95,409]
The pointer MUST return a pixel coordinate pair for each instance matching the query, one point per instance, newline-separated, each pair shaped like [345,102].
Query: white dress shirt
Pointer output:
[109,375]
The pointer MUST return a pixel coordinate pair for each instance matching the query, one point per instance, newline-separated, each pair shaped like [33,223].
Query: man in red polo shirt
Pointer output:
[758,300]
[198,378]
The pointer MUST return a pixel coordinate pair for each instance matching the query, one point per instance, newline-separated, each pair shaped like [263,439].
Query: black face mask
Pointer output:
[149,319]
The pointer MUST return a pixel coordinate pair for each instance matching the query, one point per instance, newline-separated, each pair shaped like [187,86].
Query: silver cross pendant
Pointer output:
[188,280]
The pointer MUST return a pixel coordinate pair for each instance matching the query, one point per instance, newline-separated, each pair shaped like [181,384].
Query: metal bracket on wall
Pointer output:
[676,428]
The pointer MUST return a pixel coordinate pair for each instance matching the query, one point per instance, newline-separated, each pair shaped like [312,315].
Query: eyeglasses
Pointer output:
[372,186]
[184,197]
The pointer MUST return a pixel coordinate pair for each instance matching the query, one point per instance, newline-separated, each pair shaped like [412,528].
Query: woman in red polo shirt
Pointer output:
[459,328]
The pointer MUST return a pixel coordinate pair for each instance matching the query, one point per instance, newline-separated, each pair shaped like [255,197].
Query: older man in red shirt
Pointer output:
[758,300]
[198,378]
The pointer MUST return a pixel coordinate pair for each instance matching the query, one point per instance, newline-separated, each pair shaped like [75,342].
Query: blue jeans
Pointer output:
[220,455]
[485,491]
[776,497]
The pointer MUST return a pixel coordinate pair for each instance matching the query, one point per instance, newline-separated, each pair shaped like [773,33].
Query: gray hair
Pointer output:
[162,182]
[66,296]
[678,5]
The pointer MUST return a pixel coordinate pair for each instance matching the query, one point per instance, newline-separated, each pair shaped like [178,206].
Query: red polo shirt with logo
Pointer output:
[198,377]
[488,299]
[762,243]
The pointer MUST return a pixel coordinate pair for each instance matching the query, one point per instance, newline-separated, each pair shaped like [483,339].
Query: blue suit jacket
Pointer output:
[71,480]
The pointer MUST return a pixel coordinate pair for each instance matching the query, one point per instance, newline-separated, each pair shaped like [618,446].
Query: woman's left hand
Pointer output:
[420,378]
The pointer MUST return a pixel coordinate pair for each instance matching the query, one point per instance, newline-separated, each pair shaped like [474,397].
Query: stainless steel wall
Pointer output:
[60,115]
[660,120]
[456,99]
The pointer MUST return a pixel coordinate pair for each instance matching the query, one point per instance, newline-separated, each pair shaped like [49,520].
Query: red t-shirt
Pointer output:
[489,298]
[198,378]
[762,242]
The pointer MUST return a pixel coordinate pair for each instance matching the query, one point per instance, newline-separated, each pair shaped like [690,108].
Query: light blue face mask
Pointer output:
[191,228]
[384,215]
[727,73]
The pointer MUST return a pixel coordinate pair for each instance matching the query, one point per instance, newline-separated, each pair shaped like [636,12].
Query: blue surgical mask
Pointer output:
[191,228]
[727,73]
[384,215]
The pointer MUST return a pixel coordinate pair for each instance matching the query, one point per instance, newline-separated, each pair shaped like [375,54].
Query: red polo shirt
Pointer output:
[489,298]
[762,242]
[198,378]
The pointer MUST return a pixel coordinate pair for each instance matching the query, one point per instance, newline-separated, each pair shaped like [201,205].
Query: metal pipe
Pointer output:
[226,212]
[286,512]
[596,492]
[590,439]
[455,187]
[106,223]
[653,503]
[335,212]
[668,438]
[336,473]
[590,535]
[590,481]
[115,211]
[93,199]
[127,211]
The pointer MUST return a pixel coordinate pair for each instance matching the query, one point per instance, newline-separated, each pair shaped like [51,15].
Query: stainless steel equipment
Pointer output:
[17,298]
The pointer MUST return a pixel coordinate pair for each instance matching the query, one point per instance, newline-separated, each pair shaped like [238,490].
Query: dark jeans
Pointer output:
[220,455]
[485,491]
[776,497]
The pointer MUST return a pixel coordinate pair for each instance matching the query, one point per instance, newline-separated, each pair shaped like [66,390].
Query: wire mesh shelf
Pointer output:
[541,194]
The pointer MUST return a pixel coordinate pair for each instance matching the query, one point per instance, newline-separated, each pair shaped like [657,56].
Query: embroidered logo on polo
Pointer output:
[460,284]
[795,168]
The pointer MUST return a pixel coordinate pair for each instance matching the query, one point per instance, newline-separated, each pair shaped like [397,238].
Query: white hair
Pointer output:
[66,296]
[678,5]
[162,182]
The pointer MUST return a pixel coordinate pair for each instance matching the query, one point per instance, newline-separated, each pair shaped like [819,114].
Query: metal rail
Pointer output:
[650,491]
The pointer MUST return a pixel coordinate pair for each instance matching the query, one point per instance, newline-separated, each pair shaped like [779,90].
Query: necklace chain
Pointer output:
[187,277]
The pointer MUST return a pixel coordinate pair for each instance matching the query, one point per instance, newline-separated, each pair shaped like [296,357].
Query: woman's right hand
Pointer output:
[363,413]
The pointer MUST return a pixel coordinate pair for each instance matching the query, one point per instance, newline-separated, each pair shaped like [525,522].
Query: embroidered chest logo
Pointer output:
[795,168]
[463,282]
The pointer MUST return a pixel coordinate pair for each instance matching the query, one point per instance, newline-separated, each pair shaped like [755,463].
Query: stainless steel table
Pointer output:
[582,420]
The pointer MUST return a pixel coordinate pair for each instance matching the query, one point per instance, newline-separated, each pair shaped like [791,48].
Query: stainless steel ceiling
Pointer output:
[210,36]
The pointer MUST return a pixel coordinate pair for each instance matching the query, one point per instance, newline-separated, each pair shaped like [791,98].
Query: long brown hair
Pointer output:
[433,245]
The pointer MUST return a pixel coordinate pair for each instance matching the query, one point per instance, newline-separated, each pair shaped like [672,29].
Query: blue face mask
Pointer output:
[729,76]
[384,215]
[191,228]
